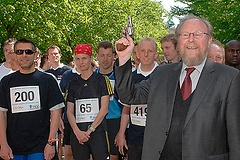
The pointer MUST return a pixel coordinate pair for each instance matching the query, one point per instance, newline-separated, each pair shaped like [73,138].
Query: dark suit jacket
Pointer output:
[212,126]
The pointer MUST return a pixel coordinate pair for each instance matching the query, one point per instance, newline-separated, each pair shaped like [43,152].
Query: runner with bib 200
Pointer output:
[30,104]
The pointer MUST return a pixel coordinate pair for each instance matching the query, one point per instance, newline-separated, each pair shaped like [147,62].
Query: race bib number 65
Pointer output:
[86,110]
[25,99]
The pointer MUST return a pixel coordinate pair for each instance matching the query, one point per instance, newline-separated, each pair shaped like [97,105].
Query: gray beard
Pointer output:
[194,61]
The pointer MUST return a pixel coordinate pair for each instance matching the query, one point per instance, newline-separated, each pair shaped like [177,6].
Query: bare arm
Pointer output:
[81,136]
[55,116]
[120,139]
[5,150]
[49,151]
[102,112]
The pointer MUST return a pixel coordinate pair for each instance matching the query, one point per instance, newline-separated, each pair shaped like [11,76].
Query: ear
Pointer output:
[36,55]
[209,41]
[156,55]
[97,56]
[137,55]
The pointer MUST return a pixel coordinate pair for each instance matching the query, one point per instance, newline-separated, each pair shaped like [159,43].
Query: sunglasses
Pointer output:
[27,51]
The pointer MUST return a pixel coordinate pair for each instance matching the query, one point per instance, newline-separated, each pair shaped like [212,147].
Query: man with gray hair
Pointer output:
[193,105]
[216,52]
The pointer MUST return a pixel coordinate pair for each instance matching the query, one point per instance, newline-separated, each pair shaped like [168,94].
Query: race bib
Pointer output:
[113,85]
[25,99]
[138,114]
[86,110]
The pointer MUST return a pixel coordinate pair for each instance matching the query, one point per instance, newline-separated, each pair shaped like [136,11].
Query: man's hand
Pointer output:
[125,55]
[82,136]
[6,152]
[49,152]
[120,142]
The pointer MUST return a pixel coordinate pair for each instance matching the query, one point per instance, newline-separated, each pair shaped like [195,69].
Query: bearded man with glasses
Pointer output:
[30,105]
[193,106]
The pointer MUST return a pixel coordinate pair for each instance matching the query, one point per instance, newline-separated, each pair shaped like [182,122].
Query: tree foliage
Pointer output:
[67,23]
[224,15]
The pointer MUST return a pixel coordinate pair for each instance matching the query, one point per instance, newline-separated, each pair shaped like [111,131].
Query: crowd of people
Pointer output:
[123,104]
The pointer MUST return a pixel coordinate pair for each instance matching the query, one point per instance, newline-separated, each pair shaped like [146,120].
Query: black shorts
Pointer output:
[97,146]
[113,126]
[67,132]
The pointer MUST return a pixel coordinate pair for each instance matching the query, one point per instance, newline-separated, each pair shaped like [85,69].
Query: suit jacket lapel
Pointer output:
[204,83]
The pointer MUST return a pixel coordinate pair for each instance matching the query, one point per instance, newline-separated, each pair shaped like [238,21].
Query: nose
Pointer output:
[235,53]
[191,37]
[163,50]
[105,58]
[214,59]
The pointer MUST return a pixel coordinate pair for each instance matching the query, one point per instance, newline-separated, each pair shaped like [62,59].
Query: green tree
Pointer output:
[223,15]
[67,23]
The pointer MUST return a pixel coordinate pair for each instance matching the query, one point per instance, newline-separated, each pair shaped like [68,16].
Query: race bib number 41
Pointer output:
[25,99]
[86,110]
[138,114]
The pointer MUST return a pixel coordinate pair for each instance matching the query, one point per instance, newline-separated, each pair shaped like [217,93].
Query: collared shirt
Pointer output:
[195,75]
[4,71]
[60,66]
[140,71]
[74,70]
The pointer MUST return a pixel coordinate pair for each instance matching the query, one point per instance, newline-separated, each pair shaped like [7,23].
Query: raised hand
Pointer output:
[125,54]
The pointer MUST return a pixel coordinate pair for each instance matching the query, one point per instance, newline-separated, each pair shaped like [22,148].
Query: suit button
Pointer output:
[166,133]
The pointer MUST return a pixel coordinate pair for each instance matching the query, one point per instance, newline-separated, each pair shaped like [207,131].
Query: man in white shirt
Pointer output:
[10,64]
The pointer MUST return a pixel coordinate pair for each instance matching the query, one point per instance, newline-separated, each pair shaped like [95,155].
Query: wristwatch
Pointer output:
[91,128]
[52,143]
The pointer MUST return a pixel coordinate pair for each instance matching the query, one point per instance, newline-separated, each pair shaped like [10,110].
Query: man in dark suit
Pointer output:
[201,125]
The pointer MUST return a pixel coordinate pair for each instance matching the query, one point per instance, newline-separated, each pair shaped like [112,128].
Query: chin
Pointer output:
[193,61]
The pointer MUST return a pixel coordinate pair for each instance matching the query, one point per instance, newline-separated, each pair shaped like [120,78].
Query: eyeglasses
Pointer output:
[196,35]
[27,51]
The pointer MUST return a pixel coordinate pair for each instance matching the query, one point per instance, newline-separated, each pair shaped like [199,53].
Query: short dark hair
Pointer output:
[105,44]
[25,40]
[170,37]
[44,59]
[53,47]
[231,42]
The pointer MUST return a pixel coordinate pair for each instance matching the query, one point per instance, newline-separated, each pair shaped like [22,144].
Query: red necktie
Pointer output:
[187,84]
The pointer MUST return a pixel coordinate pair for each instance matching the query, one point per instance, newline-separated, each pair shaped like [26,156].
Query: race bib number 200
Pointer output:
[25,99]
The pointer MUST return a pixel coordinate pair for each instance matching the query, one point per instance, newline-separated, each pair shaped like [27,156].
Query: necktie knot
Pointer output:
[189,71]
